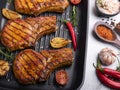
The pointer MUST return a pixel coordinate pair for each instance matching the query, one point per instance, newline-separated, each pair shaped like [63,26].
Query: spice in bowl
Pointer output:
[105,32]
[108,7]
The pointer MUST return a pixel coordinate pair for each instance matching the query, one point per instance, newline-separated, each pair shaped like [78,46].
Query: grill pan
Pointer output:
[75,71]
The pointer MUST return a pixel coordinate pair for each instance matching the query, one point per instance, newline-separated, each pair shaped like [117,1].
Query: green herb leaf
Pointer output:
[6,55]
[9,1]
[118,68]
[74,16]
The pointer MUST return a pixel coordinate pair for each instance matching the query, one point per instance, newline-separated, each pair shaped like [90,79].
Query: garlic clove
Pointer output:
[107,56]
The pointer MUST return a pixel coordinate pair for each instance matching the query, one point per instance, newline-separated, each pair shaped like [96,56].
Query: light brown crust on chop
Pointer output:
[30,67]
[20,34]
[58,58]
[36,7]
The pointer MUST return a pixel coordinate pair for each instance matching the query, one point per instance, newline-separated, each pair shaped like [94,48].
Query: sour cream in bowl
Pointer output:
[108,7]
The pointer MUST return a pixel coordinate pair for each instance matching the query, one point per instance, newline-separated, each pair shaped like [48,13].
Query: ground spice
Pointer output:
[105,32]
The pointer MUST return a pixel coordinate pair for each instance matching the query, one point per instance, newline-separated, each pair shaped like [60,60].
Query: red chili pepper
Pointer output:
[111,72]
[104,79]
[72,33]
[108,71]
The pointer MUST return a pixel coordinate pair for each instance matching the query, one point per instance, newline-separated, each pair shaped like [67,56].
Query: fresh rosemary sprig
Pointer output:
[5,54]
[9,1]
[74,16]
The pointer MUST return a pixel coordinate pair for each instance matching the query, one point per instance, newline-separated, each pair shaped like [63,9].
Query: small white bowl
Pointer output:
[100,12]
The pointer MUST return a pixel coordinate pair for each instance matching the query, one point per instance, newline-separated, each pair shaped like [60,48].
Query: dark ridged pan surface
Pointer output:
[75,71]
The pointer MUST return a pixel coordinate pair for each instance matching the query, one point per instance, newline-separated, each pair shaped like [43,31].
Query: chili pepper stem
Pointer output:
[98,68]
[65,21]
[118,68]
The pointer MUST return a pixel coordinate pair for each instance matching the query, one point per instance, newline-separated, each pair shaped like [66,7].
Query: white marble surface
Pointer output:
[91,81]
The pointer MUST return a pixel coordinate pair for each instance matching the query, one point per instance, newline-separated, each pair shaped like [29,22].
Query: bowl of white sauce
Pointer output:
[107,7]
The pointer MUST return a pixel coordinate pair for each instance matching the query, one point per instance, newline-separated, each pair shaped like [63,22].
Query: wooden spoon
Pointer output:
[114,41]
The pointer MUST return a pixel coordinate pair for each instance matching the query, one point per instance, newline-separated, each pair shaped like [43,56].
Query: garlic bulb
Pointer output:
[107,56]
[59,42]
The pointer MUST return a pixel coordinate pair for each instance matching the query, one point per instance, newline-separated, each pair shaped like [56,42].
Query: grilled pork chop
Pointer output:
[30,67]
[21,34]
[35,7]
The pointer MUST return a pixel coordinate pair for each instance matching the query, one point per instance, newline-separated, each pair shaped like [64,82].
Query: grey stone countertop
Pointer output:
[94,46]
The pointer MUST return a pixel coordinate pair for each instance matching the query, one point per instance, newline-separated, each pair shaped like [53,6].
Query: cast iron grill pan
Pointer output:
[75,71]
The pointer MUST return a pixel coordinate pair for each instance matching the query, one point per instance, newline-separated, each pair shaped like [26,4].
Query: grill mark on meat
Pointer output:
[30,23]
[34,3]
[17,37]
[22,70]
[36,60]
[36,65]
[42,31]
[42,4]
[47,26]
[25,7]
[46,32]
[33,27]
[31,66]
[10,36]
[23,34]
[18,4]
[23,23]
[46,54]
[38,3]
[35,21]
[23,31]
[19,34]
[27,66]
[27,3]
[40,57]
[20,74]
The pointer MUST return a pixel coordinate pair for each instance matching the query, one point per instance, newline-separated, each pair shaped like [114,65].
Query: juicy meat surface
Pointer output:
[20,34]
[35,7]
[30,67]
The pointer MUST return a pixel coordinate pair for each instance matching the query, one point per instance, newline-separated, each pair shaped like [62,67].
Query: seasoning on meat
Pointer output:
[36,7]
[105,32]
[20,34]
[30,67]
